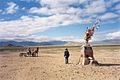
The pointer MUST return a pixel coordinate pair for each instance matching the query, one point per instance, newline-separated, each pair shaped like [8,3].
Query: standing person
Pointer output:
[66,55]
[37,50]
[29,52]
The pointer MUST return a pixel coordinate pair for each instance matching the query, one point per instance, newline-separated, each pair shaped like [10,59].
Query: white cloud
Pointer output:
[97,6]
[117,7]
[115,1]
[46,38]
[62,7]
[28,0]
[12,7]
[109,3]
[61,3]
[81,1]
[61,14]
[23,8]
[106,34]
[58,3]
[109,16]
[34,38]
[38,38]
[68,38]
[114,35]
[27,26]
[43,10]
[118,11]
[1,11]
[74,11]
[53,11]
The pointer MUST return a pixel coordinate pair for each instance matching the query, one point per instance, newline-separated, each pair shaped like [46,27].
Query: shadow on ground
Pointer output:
[105,64]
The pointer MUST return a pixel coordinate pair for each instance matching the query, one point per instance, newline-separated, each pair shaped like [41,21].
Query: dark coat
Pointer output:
[66,54]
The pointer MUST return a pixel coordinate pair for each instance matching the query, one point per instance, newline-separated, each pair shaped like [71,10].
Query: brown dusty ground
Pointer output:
[50,66]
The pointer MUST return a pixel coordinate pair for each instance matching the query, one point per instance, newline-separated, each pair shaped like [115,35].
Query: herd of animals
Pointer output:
[30,53]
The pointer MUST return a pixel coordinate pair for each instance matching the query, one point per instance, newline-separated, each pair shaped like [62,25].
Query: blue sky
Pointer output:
[44,20]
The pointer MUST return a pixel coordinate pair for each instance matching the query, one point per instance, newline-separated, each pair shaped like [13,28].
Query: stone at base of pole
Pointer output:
[87,55]
[94,62]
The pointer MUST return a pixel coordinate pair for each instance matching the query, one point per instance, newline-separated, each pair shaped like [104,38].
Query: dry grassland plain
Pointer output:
[49,65]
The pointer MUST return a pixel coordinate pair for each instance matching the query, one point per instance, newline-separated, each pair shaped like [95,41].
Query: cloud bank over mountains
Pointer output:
[23,22]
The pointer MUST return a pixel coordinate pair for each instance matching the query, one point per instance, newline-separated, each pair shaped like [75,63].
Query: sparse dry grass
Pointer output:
[50,64]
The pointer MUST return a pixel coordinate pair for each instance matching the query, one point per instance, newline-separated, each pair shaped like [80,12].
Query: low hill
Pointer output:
[108,42]
[30,43]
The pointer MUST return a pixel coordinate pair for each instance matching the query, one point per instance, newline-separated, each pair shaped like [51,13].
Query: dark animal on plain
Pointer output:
[35,53]
[23,54]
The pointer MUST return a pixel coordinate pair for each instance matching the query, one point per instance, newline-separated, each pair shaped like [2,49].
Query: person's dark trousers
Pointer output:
[66,60]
